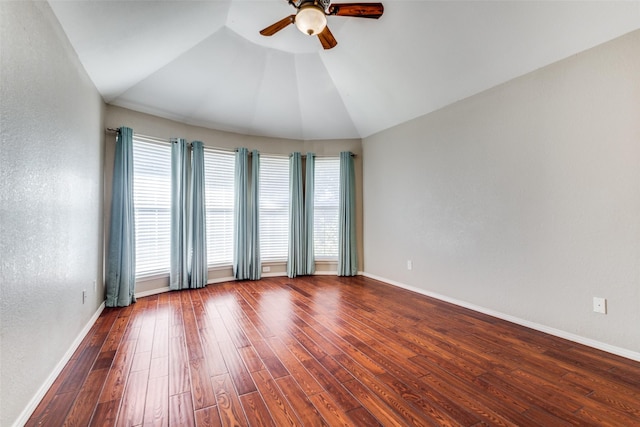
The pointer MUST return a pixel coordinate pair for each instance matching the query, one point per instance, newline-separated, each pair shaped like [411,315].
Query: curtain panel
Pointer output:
[240,232]
[198,268]
[180,201]
[296,259]
[188,216]
[309,195]
[246,257]
[121,262]
[255,264]
[347,246]
[301,258]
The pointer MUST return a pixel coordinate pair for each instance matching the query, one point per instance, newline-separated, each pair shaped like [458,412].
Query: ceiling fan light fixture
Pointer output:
[311,20]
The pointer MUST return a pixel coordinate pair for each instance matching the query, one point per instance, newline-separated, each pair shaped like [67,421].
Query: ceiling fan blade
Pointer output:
[327,39]
[359,10]
[274,28]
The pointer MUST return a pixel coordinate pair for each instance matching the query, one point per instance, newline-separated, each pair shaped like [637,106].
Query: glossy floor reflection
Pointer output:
[330,351]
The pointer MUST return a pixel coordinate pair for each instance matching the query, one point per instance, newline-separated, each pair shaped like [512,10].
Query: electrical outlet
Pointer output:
[600,305]
[84,296]
[409,265]
[95,286]
[266,269]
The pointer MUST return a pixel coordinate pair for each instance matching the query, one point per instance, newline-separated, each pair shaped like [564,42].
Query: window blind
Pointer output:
[219,170]
[326,201]
[152,205]
[274,207]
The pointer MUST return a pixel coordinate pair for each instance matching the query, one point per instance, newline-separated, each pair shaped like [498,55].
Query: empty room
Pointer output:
[268,213]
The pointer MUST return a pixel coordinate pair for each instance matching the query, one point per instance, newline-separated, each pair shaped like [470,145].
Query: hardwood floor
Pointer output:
[330,351]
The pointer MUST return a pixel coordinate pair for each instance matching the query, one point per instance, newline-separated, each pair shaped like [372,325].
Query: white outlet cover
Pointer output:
[600,305]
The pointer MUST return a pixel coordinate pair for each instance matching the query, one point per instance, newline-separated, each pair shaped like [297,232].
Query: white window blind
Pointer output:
[152,203]
[274,208]
[219,171]
[325,201]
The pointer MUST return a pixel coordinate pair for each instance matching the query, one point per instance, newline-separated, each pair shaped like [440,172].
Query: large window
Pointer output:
[152,199]
[152,203]
[274,208]
[219,170]
[325,201]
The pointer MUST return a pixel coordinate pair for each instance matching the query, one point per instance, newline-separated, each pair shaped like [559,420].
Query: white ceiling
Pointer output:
[204,62]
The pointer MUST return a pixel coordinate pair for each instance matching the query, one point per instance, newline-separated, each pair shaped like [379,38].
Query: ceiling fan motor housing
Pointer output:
[323,4]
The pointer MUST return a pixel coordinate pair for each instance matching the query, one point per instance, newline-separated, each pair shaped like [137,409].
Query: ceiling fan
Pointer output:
[311,17]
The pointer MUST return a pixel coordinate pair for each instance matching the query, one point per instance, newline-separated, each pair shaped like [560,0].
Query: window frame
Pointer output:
[146,193]
[274,181]
[226,203]
[330,206]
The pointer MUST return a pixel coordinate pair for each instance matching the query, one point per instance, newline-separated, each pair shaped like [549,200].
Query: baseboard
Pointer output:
[167,288]
[325,273]
[37,398]
[619,351]
[221,280]
[152,292]
[230,279]
[273,274]
[209,282]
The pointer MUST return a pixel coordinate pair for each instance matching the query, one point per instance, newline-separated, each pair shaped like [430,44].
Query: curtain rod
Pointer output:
[320,156]
[117,130]
[290,154]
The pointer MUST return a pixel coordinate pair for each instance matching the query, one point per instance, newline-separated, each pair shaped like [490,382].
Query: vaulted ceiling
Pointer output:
[204,62]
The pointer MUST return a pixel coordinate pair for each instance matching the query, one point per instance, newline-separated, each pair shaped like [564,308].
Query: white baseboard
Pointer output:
[629,354]
[221,280]
[273,274]
[167,288]
[231,279]
[152,292]
[326,273]
[209,282]
[37,398]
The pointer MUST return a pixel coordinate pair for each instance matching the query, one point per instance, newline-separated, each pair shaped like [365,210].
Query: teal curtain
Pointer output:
[246,256]
[241,229]
[296,260]
[255,264]
[198,265]
[121,264]
[347,249]
[309,194]
[180,201]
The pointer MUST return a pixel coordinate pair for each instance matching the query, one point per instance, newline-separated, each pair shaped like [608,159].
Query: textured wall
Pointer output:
[524,199]
[50,201]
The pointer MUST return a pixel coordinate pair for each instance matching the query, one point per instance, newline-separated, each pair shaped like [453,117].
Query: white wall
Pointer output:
[158,127]
[50,201]
[523,200]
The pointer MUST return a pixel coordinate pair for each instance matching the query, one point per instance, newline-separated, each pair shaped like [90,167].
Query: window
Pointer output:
[274,208]
[326,201]
[219,171]
[152,204]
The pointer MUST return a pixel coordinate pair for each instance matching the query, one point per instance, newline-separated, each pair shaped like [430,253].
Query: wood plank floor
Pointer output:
[330,351]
